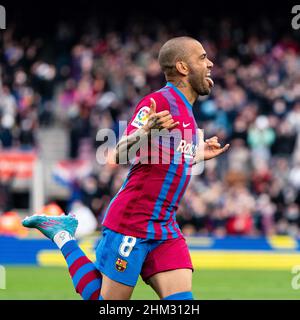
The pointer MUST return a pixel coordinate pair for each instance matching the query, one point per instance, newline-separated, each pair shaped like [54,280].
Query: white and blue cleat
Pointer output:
[51,225]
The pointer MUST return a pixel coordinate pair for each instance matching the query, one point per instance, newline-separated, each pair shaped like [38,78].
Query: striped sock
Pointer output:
[87,279]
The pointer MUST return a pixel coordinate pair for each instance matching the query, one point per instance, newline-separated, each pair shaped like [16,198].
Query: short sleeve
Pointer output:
[142,110]
[140,116]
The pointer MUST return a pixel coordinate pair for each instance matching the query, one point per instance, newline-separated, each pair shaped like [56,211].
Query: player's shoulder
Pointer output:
[160,100]
[142,109]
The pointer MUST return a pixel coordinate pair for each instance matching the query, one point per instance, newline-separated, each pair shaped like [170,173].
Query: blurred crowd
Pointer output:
[94,79]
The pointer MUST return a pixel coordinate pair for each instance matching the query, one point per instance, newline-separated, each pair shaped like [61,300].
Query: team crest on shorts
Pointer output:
[121,265]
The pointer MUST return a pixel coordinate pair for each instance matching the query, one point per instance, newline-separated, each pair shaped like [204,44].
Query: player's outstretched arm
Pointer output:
[157,120]
[208,149]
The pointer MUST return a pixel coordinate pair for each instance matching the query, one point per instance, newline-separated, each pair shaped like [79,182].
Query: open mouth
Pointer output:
[209,80]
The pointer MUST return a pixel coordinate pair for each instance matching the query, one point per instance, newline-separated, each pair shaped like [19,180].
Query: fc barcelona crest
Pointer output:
[121,265]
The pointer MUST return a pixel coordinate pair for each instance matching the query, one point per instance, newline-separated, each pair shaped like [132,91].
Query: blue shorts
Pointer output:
[121,257]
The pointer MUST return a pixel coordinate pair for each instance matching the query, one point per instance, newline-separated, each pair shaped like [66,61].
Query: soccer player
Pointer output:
[140,233]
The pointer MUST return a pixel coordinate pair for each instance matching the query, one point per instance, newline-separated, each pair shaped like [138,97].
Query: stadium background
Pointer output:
[69,70]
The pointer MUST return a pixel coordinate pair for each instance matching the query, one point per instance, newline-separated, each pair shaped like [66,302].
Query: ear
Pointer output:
[182,68]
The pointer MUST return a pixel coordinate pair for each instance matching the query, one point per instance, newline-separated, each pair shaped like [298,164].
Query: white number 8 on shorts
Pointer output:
[126,246]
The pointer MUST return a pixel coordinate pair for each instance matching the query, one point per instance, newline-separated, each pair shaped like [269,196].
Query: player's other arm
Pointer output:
[156,120]
[208,149]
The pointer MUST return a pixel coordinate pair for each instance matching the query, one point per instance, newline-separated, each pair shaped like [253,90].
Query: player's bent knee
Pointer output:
[187,295]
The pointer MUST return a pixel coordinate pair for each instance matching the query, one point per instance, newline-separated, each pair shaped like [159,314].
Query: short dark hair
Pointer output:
[172,51]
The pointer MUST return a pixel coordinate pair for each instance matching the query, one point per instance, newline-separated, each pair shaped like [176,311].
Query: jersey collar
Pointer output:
[182,96]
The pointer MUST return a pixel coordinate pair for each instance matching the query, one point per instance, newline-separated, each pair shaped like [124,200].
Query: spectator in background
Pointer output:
[260,138]
[285,140]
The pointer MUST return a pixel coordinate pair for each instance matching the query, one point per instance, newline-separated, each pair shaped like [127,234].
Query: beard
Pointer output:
[199,83]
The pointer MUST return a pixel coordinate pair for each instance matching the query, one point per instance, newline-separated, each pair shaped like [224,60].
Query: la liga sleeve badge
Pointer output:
[141,117]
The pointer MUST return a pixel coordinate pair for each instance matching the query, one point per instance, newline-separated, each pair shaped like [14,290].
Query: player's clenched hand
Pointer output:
[159,120]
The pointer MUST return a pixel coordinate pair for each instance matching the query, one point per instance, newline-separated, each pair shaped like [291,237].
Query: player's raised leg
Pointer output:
[86,278]
[113,290]
[120,259]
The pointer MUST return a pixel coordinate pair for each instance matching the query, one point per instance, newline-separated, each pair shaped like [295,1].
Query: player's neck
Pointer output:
[185,88]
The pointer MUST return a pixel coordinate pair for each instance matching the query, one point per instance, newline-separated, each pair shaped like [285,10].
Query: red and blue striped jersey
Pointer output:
[146,204]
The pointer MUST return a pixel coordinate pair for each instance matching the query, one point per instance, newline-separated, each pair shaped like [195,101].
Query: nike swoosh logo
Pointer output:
[186,125]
